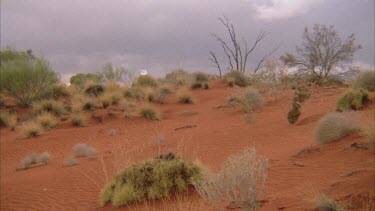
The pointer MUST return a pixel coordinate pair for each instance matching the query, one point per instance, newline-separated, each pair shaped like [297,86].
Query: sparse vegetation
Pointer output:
[71,161]
[151,179]
[365,80]
[59,91]
[34,158]
[78,120]
[146,81]
[334,126]
[353,99]
[236,78]
[323,203]
[184,96]
[31,129]
[47,120]
[149,113]
[94,90]
[240,181]
[84,150]
[8,120]
[52,106]
[301,95]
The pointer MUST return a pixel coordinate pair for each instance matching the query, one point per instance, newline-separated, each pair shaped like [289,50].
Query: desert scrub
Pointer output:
[110,98]
[151,179]
[136,93]
[94,90]
[59,91]
[149,113]
[324,203]
[84,150]
[146,81]
[352,99]
[334,126]
[178,77]
[78,120]
[31,129]
[47,120]
[200,77]
[365,80]
[53,106]
[241,180]
[8,120]
[248,100]
[184,96]
[301,94]
[34,158]
[236,78]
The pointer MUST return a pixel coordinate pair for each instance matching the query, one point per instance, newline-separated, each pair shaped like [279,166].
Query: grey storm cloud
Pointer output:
[160,35]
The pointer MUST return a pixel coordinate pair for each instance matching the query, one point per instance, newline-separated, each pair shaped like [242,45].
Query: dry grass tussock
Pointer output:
[47,120]
[184,96]
[334,126]
[84,150]
[8,120]
[240,181]
[322,202]
[34,158]
[31,129]
[53,106]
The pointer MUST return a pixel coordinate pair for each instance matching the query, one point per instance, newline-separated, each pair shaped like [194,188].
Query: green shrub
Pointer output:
[146,81]
[149,113]
[151,179]
[352,99]
[8,120]
[236,78]
[27,79]
[365,80]
[334,126]
[51,106]
[95,90]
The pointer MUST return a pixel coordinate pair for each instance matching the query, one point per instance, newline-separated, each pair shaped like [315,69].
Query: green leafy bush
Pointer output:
[365,80]
[26,78]
[151,179]
[334,126]
[236,78]
[352,99]
[146,81]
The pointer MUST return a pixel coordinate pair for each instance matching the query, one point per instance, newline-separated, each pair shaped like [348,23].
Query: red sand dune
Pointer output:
[297,163]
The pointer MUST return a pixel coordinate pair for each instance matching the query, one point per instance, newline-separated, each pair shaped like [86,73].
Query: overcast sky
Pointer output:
[160,35]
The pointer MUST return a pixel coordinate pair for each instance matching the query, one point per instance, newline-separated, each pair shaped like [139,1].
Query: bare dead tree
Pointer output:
[322,51]
[236,53]
[214,60]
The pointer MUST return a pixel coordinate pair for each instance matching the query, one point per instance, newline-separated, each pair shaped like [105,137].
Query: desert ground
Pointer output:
[204,131]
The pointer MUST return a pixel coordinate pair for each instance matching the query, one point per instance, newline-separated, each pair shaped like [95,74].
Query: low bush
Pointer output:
[31,129]
[301,94]
[34,158]
[8,120]
[196,85]
[134,93]
[52,106]
[59,91]
[84,150]
[71,161]
[334,126]
[200,77]
[47,120]
[236,78]
[352,99]
[240,181]
[146,81]
[365,80]
[151,179]
[149,113]
[94,90]
[324,203]
[184,96]
[178,77]
[78,120]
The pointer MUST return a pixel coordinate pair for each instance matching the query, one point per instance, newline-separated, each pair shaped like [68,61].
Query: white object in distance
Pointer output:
[143,72]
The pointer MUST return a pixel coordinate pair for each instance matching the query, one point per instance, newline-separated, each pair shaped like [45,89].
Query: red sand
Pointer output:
[218,133]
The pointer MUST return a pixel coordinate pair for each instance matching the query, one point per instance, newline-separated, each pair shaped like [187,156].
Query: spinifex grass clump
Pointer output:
[151,179]
[52,106]
[300,96]
[352,99]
